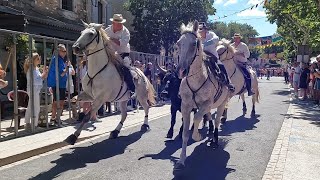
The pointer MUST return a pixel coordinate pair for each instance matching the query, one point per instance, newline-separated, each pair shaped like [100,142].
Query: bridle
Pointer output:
[226,50]
[196,53]
[97,38]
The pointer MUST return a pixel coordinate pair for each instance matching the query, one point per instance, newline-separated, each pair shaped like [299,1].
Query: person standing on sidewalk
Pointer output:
[296,78]
[317,81]
[304,81]
[37,86]
[63,66]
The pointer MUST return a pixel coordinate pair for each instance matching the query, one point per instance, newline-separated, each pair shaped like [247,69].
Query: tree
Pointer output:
[157,23]
[224,30]
[298,22]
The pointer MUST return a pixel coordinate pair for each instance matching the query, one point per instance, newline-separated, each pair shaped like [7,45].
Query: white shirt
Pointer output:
[241,48]
[71,81]
[37,80]
[210,43]
[297,72]
[123,36]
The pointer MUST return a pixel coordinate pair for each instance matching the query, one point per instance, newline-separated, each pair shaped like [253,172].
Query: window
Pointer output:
[67,5]
[100,13]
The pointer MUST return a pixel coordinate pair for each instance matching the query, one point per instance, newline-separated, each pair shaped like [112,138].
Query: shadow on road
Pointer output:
[282,92]
[172,146]
[81,156]
[240,124]
[206,163]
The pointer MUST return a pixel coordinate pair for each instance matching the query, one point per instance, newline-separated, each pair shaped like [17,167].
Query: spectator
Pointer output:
[3,83]
[72,72]
[317,81]
[286,75]
[304,81]
[312,78]
[83,71]
[63,66]
[37,86]
[148,73]
[296,78]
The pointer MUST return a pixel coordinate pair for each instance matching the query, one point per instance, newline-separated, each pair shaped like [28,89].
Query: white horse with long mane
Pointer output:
[104,80]
[226,55]
[199,89]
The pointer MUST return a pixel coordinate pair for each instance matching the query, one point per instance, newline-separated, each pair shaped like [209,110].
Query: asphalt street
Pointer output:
[245,147]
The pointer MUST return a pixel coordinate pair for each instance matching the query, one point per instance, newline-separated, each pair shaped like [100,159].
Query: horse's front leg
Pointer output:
[173,110]
[253,111]
[89,114]
[185,110]
[123,108]
[217,121]
[203,109]
[244,106]
[145,126]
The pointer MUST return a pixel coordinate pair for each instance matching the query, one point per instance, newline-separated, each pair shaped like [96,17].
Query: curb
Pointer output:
[61,145]
[277,161]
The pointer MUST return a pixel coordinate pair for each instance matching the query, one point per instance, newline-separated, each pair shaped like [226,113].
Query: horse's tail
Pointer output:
[151,93]
[257,94]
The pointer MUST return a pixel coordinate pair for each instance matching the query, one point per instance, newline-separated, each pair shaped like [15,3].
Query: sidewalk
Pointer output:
[296,154]
[24,147]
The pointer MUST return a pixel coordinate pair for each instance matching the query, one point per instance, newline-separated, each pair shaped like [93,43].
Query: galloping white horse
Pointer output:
[104,79]
[199,89]
[226,53]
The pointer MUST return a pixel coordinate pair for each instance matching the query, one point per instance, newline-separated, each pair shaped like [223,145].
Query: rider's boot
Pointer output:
[128,78]
[226,78]
[248,82]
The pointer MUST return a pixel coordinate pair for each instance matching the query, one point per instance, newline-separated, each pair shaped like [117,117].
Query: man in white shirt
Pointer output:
[120,36]
[241,56]
[210,41]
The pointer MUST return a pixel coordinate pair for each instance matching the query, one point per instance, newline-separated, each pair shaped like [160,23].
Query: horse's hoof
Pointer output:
[253,113]
[178,169]
[71,139]
[170,134]
[213,144]
[223,120]
[145,128]
[114,134]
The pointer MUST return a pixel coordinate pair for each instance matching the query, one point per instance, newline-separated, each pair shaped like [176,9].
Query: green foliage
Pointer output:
[224,30]
[157,23]
[22,44]
[298,22]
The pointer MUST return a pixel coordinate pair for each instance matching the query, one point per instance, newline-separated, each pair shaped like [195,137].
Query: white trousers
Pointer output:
[36,108]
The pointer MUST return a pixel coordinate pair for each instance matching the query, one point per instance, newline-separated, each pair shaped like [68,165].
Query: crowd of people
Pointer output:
[305,79]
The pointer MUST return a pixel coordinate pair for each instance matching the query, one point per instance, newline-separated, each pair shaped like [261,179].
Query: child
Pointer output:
[3,83]
[37,85]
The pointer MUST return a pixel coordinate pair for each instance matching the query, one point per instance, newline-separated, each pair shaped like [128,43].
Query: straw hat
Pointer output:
[118,18]
[237,35]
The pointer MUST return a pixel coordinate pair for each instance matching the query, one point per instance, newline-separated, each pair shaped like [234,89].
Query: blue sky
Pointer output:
[255,17]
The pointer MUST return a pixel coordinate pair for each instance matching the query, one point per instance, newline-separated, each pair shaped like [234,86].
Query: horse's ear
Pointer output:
[182,27]
[195,26]
[98,26]
[86,25]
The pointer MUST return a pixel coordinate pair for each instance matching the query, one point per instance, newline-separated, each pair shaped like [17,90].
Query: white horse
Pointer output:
[199,89]
[226,54]
[104,79]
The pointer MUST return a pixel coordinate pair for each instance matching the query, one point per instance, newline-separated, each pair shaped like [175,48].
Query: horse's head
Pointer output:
[89,38]
[188,44]
[225,50]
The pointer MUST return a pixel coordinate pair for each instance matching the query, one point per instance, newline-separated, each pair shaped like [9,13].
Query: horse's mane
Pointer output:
[188,29]
[226,43]
[110,52]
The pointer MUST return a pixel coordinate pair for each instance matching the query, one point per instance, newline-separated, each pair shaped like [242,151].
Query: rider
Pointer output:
[120,36]
[242,54]
[210,41]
